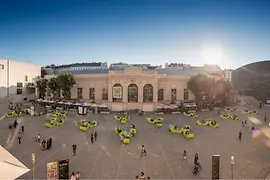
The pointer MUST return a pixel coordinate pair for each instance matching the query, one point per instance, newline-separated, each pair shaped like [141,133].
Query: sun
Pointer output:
[212,55]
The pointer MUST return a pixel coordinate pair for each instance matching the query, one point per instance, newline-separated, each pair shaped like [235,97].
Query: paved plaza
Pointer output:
[107,159]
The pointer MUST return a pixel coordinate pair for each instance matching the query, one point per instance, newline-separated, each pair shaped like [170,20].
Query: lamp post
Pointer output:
[232,164]
[33,161]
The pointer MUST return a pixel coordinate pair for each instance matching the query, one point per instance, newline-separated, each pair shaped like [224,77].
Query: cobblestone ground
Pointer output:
[106,158]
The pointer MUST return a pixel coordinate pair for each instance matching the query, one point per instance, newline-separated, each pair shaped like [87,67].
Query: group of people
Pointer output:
[142,177]
[75,176]
[15,125]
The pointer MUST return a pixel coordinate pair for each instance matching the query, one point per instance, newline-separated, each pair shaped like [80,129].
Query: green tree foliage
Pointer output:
[41,84]
[66,82]
[54,85]
[207,88]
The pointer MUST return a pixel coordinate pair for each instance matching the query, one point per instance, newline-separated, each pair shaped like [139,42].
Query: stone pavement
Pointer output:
[106,158]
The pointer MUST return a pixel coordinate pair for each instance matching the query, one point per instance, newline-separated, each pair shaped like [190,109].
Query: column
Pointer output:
[140,93]
[125,93]
[110,89]
[155,93]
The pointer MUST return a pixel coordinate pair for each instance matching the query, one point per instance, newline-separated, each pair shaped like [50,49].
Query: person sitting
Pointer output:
[61,121]
[214,123]
[127,135]
[119,130]
[151,119]
[186,127]
[175,127]
[203,121]
[187,132]
[132,133]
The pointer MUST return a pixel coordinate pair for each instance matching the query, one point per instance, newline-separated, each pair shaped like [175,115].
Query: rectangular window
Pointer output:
[160,95]
[92,93]
[2,66]
[173,94]
[185,94]
[19,84]
[79,93]
[26,78]
[19,91]
[105,94]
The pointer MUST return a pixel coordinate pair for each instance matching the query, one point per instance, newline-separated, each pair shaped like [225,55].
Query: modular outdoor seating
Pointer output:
[127,135]
[54,123]
[231,110]
[158,122]
[210,123]
[248,111]
[229,116]
[85,125]
[185,131]
[13,114]
[191,114]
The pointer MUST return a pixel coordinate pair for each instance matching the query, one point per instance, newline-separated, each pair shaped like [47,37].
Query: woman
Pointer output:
[72,177]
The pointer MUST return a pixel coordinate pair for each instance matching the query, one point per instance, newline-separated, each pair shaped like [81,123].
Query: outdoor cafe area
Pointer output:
[73,106]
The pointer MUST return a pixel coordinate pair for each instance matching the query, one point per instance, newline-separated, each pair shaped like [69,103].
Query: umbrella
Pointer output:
[11,168]
[103,106]
[86,104]
[60,102]
[39,100]
[77,104]
[94,105]
[45,100]
[68,103]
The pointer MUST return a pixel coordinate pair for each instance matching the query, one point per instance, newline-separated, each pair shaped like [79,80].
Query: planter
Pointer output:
[103,112]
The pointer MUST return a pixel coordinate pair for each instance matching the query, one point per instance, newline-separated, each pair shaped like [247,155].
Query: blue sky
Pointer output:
[229,33]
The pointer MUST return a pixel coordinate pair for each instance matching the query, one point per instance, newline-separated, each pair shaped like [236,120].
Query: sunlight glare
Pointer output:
[212,55]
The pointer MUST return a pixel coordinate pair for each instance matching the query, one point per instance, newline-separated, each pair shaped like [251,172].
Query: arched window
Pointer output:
[117,93]
[132,93]
[148,93]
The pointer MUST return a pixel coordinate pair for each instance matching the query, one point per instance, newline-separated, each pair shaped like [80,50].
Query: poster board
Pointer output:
[52,171]
[117,92]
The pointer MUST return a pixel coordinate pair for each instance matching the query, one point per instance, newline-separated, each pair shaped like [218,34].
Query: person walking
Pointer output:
[74,147]
[240,135]
[185,156]
[78,175]
[92,137]
[95,135]
[264,118]
[20,138]
[196,158]
[22,128]
[72,177]
[143,152]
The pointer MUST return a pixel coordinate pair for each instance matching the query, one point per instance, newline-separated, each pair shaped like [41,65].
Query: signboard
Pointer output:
[64,169]
[33,158]
[52,171]
[117,92]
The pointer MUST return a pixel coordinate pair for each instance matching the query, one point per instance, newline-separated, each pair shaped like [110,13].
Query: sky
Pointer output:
[229,33]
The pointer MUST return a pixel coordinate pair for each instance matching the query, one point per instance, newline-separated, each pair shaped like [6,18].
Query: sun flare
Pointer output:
[211,55]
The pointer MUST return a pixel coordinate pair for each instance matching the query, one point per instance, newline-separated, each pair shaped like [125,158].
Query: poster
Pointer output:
[52,171]
[64,169]
[117,92]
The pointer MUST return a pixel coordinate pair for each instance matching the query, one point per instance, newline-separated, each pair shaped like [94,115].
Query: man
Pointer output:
[240,135]
[264,118]
[19,138]
[22,128]
[74,147]
[15,123]
[92,137]
[196,158]
[143,151]
[95,134]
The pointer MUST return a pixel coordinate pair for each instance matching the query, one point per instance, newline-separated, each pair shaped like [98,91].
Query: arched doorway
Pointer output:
[148,93]
[117,93]
[133,93]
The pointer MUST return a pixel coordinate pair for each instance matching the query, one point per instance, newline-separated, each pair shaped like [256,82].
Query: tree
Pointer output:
[196,85]
[223,91]
[41,85]
[66,82]
[54,85]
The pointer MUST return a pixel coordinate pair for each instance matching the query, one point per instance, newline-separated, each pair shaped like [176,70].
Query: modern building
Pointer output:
[253,80]
[126,87]
[17,77]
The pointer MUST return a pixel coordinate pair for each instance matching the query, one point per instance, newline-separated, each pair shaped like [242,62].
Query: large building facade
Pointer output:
[132,87]
[15,77]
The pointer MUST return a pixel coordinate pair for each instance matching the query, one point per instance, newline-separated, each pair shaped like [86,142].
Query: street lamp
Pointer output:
[232,164]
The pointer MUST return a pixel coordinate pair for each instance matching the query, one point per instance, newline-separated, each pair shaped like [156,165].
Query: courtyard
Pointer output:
[107,159]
